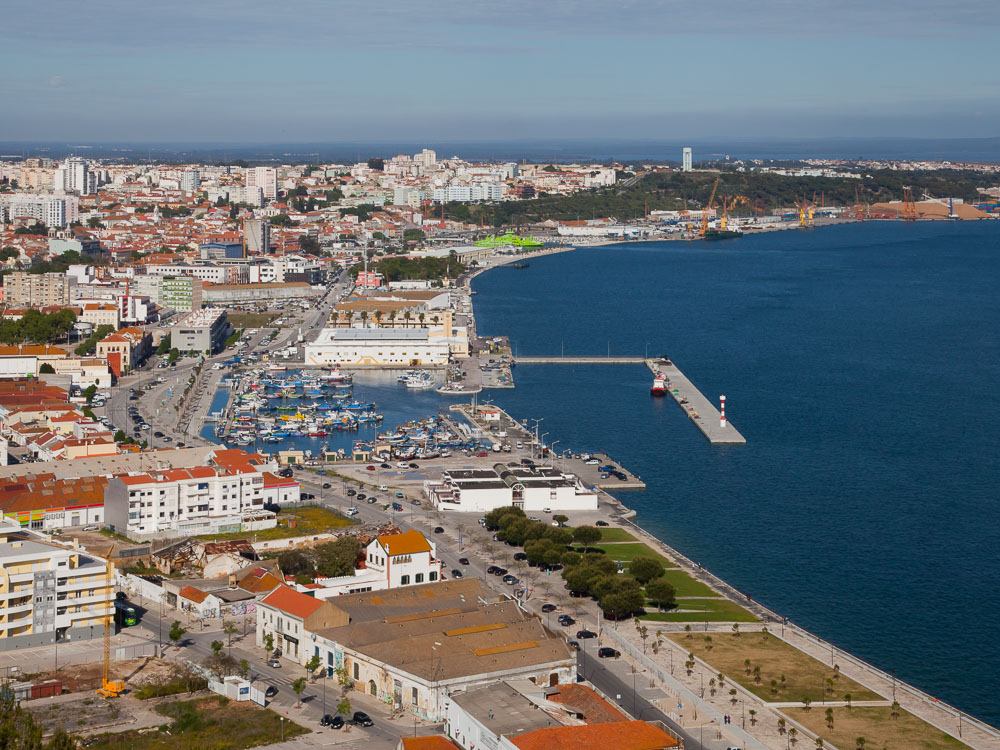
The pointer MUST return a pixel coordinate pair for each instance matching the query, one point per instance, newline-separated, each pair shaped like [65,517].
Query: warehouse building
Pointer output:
[377,347]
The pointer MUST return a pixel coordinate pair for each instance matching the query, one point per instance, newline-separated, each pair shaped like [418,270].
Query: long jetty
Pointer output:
[699,409]
[580,360]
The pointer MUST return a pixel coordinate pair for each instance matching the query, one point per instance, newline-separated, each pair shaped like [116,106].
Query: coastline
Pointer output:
[946,717]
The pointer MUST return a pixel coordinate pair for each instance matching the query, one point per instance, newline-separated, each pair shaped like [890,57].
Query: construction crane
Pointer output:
[708,207]
[108,688]
[909,206]
[806,212]
[727,205]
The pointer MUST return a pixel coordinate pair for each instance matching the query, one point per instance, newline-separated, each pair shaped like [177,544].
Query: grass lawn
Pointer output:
[706,610]
[685,585]
[308,519]
[626,553]
[250,320]
[804,676]
[215,723]
[615,535]
[876,725]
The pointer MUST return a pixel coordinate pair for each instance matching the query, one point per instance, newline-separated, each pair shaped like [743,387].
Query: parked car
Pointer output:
[337,723]
[574,645]
[548,607]
[274,663]
[362,496]
[414,466]
[361,719]
[607,652]
[351,493]
[520,556]
[592,462]
[602,523]
[566,621]
[91,527]
[415,501]
[584,634]
[271,691]
[510,580]
[372,500]
[491,570]
[500,571]
[370,468]
[439,529]
[456,573]
[463,561]
[327,485]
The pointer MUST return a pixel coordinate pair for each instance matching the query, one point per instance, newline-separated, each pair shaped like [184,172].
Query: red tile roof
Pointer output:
[193,595]
[290,601]
[620,735]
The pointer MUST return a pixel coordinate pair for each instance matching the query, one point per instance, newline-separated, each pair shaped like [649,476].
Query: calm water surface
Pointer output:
[861,363]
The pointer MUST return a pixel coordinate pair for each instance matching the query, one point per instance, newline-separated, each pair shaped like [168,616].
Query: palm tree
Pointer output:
[765,633]
[847,697]
[829,718]
[895,709]
[829,684]
[732,696]
[836,671]
[807,703]
[392,318]
[747,668]
[687,630]
[819,743]
[722,680]
[774,687]
[421,316]
[753,717]
[350,318]
[860,742]
[781,726]
[711,687]
[708,643]
[793,735]
[736,629]
[406,316]
[364,318]
[756,674]
[378,318]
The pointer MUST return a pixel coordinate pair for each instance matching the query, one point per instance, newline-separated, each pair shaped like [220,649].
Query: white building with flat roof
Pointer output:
[686,160]
[377,347]
[540,488]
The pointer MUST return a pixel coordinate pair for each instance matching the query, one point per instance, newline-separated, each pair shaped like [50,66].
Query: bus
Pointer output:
[125,615]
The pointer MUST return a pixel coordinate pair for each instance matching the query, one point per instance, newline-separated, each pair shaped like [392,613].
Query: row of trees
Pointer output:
[90,342]
[586,571]
[37,327]
[396,268]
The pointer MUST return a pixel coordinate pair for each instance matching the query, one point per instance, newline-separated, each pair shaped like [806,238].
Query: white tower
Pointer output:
[686,160]
[722,411]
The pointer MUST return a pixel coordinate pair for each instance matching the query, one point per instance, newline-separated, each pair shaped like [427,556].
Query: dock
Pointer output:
[580,360]
[699,409]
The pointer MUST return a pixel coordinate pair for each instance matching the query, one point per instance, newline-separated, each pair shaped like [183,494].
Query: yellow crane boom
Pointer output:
[108,688]
[708,207]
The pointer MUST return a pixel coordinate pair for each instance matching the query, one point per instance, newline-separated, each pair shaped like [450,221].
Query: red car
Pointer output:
[370,468]
[482,454]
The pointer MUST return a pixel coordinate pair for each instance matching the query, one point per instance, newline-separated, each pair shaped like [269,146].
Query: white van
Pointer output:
[352,511]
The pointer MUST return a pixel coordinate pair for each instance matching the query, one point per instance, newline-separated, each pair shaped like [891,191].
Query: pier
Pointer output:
[580,360]
[699,409]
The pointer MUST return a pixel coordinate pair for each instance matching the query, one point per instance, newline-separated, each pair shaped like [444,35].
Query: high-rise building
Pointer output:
[51,210]
[182,293]
[190,180]
[686,160]
[266,178]
[426,158]
[73,176]
[22,289]
[49,592]
[258,236]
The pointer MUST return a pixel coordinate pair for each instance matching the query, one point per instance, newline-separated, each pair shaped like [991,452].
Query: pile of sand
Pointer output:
[929,210]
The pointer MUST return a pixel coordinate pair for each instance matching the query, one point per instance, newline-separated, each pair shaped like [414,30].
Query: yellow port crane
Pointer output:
[108,688]
[708,207]
[729,204]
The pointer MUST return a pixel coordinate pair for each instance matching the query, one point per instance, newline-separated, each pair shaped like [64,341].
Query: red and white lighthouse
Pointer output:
[722,411]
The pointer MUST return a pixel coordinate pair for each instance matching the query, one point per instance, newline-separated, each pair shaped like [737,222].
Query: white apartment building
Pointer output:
[190,181]
[51,210]
[258,236]
[211,274]
[48,593]
[199,500]
[265,178]
[481,191]
[392,561]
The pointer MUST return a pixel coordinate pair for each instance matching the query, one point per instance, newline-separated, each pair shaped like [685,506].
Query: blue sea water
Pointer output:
[861,363]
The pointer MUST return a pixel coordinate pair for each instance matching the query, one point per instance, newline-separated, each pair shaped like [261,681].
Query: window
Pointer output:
[418,578]
[413,696]
[357,672]
[404,580]
[432,576]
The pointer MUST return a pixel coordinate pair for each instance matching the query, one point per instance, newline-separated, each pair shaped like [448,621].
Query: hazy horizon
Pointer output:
[385,70]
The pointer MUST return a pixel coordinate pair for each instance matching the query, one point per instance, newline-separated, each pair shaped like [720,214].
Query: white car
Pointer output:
[383,488]
[352,511]
[402,465]
[592,462]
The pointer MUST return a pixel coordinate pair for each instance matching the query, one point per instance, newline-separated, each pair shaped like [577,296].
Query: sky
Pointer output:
[356,70]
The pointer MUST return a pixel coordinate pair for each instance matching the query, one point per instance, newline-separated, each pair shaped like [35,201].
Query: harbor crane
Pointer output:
[708,207]
[728,203]
[909,206]
[109,689]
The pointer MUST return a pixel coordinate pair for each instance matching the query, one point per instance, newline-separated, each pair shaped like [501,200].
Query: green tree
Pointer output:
[560,519]
[860,743]
[847,699]
[894,709]
[89,392]
[281,220]
[269,642]
[344,707]
[46,369]
[177,632]
[829,718]
[413,235]
[164,346]
[230,629]
[217,647]
[587,535]
[173,357]
[298,687]
[621,598]
[753,717]
[645,569]
[313,664]
[244,668]
[120,436]
[662,593]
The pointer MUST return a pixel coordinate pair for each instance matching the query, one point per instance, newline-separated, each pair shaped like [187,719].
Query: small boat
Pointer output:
[659,387]
[519,265]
